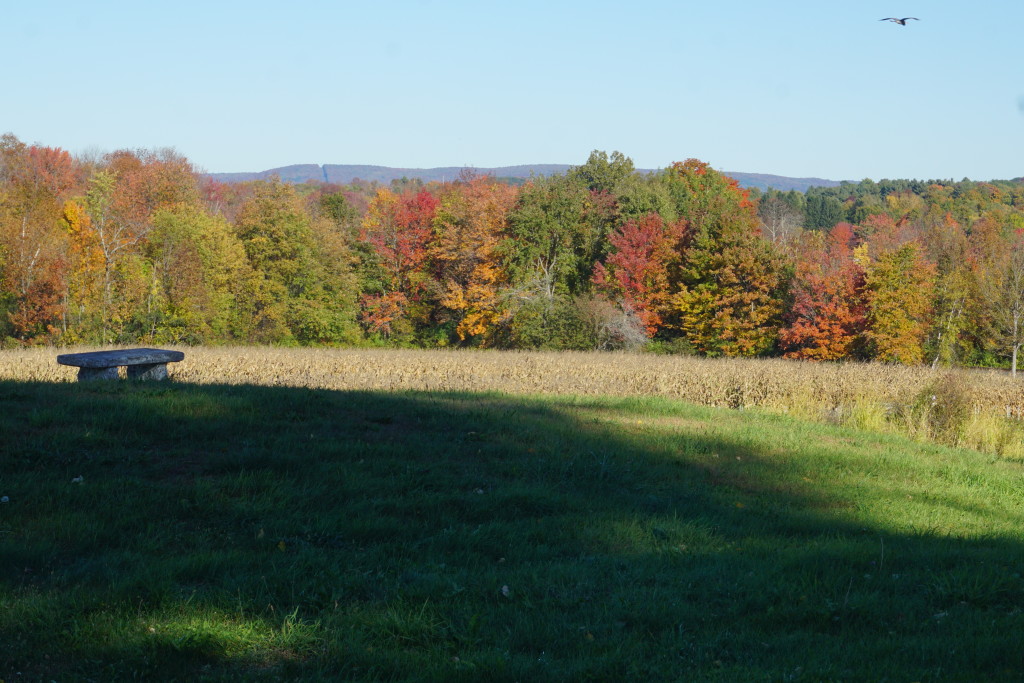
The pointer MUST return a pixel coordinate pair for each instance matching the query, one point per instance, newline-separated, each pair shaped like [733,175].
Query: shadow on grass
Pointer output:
[222,531]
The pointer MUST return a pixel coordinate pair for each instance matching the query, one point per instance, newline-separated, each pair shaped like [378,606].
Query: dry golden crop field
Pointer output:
[778,385]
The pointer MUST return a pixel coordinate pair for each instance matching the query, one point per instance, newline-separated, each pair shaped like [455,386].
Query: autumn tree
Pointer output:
[34,182]
[114,236]
[636,272]
[124,192]
[225,199]
[827,313]
[906,205]
[471,222]
[151,180]
[882,233]
[84,282]
[728,286]
[398,229]
[898,292]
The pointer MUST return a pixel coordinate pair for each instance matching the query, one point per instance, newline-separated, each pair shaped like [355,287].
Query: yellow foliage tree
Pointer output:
[898,289]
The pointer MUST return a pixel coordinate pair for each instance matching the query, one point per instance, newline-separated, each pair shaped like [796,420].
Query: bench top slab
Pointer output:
[110,359]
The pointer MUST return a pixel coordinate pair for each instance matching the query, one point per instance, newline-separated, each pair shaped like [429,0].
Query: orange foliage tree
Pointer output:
[471,222]
[36,181]
[827,314]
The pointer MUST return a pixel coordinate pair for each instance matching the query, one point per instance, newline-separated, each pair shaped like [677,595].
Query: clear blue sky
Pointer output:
[793,88]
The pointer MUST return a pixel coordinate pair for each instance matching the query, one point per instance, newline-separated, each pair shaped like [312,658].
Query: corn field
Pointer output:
[868,395]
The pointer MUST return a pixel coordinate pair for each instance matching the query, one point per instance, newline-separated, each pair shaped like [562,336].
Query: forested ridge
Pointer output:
[138,247]
[348,173]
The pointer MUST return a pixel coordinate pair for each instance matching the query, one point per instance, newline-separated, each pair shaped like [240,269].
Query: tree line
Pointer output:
[137,247]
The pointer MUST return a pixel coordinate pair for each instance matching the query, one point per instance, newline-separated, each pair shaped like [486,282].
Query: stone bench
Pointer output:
[141,363]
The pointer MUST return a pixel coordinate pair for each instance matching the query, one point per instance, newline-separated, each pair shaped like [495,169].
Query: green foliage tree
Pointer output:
[638,196]
[298,287]
[336,207]
[550,245]
[823,211]
[204,277]
[953,329]
[602,173]
[1001,289]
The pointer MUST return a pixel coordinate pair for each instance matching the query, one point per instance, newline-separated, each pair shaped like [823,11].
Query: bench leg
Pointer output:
[155,371]
[89,374]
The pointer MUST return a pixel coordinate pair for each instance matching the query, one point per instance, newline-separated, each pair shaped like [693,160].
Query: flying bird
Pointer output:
[901,22]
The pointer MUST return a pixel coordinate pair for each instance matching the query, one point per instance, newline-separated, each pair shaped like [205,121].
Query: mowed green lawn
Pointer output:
[175,531]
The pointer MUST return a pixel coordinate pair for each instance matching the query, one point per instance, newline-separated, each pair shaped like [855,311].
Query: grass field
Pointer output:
[184,530]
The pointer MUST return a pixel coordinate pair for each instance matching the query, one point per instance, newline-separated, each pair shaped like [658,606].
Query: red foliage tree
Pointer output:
[399,229]
[828,311]
[636,272]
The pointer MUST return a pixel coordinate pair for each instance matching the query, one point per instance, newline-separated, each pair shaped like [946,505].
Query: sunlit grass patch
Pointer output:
[196,634]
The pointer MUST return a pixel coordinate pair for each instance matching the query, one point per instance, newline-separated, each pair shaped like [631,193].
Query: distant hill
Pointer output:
[763,181]
[343,174]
